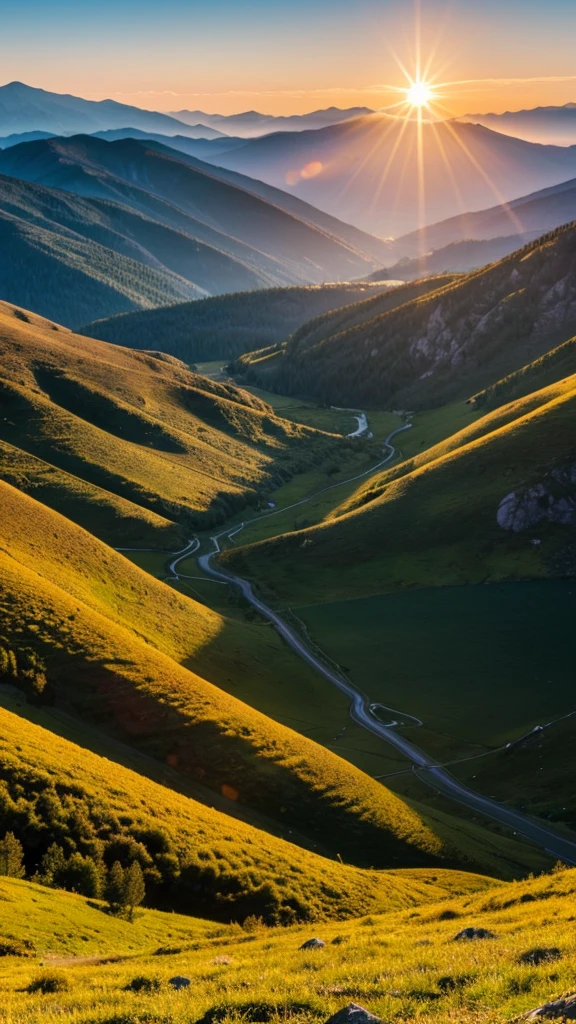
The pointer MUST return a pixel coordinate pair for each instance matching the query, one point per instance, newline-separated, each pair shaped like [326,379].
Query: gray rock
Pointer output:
[313,944]
[473,933]
[563,1008]
[179,982]
[353,1014]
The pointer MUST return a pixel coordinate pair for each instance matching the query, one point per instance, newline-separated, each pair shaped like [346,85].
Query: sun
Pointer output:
[419,93]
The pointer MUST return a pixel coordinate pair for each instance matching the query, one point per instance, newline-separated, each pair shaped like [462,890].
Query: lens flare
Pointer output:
[419,94]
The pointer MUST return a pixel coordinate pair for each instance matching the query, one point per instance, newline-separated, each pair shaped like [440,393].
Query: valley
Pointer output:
[287,521]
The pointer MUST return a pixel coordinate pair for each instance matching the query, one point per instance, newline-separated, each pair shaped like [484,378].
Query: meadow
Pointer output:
[402,966]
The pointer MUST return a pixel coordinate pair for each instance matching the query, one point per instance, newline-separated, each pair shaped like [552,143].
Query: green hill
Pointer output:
[403,963]
[441,346]
[194,858]
[553,366]
[465,511]
[132,445]
[228,325]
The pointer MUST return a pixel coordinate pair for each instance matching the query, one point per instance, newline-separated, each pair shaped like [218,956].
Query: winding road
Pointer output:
[362,710]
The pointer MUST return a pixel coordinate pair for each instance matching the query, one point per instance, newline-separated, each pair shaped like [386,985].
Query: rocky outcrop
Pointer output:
[560,1009]
[353,1014]
[313,944]
[552,500]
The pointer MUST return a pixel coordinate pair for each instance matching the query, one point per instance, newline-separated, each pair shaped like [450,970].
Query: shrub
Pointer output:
[143,984]
[14,947]
[49,983]
[253,923]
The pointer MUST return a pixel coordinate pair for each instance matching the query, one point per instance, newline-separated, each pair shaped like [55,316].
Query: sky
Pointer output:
[290,57]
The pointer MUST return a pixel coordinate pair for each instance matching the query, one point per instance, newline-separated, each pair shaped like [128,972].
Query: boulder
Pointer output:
[563,1009]
[473,933]
[353,1014]
[540,955]
[179,982]
[313,944]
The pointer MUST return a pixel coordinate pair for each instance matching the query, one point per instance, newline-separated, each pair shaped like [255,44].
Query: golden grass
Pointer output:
[225,865]
[402,966]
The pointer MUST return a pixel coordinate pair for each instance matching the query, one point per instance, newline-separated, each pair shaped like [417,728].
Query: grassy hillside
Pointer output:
[464,512]
[553,366]
[112,639]
[229,325]
[443,345]
[93,426]
[403,964]
[193,857]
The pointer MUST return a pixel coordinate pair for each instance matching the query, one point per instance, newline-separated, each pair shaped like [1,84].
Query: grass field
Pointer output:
[461,675]
[403,965]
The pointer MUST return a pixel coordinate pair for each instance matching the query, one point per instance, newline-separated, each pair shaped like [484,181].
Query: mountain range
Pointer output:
[366,170]
[251,123]
[82,209]
[25,109]
[554,126]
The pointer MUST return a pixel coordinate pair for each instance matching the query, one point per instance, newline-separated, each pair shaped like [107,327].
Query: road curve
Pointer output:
[423,765]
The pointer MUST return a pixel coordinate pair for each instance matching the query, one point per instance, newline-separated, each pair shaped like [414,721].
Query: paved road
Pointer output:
[424,767]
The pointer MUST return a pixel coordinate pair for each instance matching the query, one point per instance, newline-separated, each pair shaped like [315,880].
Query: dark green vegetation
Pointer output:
[441,346]
[477,642]
[559,362]
[226,326]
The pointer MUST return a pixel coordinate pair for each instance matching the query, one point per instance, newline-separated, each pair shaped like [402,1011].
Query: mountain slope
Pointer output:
[195,859]
[556,364]
[24,109]
[226,326]
[444,345]
[466,511]
[137,431]
[537,213]
[112,639]
[166,186]
[366,170]
[75,258]
[545,125]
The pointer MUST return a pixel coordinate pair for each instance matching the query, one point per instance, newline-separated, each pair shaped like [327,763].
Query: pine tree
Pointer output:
[11,856]
[115,889]
[52,866]
[134,888]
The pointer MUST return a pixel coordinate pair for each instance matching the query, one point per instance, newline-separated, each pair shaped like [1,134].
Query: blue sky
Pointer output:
[288,56]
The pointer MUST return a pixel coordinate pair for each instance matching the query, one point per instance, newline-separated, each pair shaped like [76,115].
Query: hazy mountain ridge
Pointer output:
[24,108]
[171,187]
[344,169]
